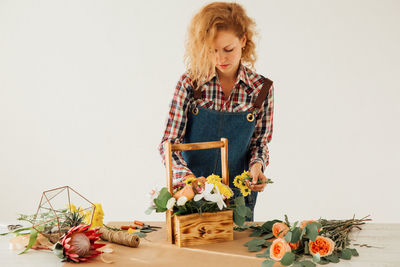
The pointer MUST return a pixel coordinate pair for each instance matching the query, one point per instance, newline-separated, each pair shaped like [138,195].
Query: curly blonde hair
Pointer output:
[203,28]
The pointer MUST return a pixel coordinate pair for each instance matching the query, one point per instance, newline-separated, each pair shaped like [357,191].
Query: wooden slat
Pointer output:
[224,161]
[197,146]
[196,229]
[168,167]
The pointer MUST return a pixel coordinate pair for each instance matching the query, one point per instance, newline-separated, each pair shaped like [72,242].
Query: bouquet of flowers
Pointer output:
[198,195]
[326,241]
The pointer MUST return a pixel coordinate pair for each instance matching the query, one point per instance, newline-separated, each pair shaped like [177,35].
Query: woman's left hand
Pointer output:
[257,175]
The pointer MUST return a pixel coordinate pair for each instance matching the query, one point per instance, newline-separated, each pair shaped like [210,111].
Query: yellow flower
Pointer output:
[246,174]
[190,180]
[72,207]
[238,182]
[245,191]
[224,190]
[98,215]
[213,179]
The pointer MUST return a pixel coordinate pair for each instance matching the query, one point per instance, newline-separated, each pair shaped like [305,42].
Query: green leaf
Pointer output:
[312,230]
[237,219]
[239,201]
[268,236]
[162,199]
[249,213]
[140,234]
[354,252]
[265,254]
[267,263]
[332,258]
[296,232]
[149,210]
[268,225]
[241,210]
[32,240]
[306,263]
[288,236]
[254,248]
[288,259]
[59,250]
[346,254]
[255,242]
[316,258]
[256,233]
[323,261]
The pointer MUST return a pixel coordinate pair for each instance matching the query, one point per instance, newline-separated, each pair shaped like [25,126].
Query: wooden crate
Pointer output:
[196,229]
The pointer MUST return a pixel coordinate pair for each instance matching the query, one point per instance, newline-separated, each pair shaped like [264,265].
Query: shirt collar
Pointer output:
[242,76]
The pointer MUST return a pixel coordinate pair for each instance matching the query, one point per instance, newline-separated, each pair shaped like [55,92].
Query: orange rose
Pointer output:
[187,191]
[322,245]
[278,249]
[294,245]
[279,229]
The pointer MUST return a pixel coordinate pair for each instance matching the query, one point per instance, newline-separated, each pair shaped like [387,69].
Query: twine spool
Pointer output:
[119,237]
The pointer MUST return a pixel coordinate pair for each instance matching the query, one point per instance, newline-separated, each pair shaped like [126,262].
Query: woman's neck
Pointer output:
[228,77]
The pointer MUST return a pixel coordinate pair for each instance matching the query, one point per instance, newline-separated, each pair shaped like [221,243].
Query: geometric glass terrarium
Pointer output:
[56,208]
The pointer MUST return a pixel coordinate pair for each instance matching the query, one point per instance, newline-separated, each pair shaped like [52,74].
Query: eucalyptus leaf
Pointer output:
[316,258]
[288,237]
[255,242]
[288,259]
[354,252]
[346,254]
[268,263]
[312,230]
[268,236]
[254,248]
[237,219]
[32,240]
[256,233]
[265,254]
[332,258]
[268,225]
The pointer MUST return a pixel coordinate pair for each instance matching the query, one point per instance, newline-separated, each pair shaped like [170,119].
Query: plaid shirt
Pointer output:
[245,91]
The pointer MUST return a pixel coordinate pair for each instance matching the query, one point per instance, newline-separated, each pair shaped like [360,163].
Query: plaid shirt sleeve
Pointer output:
[176,127]
[263,132]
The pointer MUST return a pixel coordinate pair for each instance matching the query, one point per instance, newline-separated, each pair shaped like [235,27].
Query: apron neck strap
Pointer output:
[263,93]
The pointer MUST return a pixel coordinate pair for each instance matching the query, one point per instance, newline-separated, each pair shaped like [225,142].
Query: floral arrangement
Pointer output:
[198,195]
[77,242]
[241,180]
[326,241]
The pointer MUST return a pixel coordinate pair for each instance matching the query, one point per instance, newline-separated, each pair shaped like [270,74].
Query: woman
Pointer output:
[219,96]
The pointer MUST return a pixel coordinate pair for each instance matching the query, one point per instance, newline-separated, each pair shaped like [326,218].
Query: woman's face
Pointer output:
[228,52]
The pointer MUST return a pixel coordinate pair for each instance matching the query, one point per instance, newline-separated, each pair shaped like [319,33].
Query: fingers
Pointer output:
[258,187]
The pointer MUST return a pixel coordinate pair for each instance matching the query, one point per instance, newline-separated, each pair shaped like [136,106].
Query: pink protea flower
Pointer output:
[79,244]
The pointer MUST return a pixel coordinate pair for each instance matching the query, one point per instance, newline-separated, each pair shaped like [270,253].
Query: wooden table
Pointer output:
[156,251]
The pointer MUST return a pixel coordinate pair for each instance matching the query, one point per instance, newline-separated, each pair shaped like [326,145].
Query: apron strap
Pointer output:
[260,98]
[263,93]
[196,91]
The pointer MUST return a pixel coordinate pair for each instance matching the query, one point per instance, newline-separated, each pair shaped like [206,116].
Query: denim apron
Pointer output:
[204,125]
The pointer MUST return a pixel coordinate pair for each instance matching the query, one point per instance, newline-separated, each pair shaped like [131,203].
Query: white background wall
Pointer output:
[85,88]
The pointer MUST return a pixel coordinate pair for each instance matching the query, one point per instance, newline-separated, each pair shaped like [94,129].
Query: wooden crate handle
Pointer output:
[168,148]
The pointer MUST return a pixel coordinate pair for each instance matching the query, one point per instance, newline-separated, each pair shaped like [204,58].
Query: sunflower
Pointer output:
[245,191]
[238,181]
[213,179]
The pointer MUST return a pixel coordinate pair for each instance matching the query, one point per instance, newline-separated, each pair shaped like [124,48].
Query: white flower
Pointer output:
[171,203]
[206,192]
[181,201]
[207,195]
